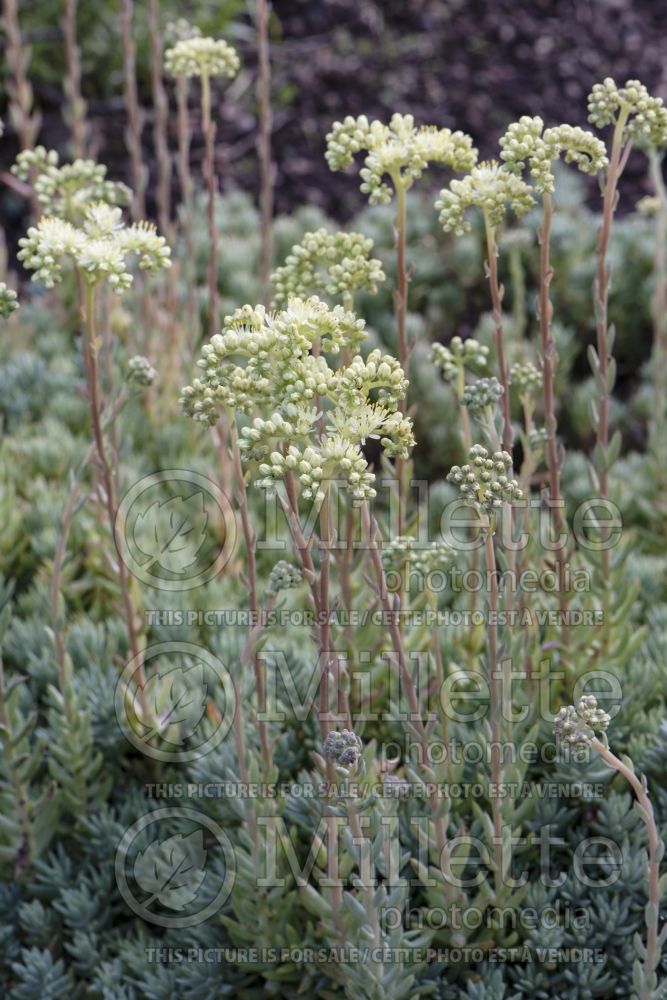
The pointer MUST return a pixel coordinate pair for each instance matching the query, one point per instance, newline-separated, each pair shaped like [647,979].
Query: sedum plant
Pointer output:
[577,727]
[335,265]
[67,190]
[397,155]
[206,59]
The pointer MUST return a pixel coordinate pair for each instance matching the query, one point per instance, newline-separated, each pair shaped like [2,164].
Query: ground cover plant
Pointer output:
[333,605]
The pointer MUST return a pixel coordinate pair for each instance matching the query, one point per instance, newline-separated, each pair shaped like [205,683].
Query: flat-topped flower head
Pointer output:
[308,417]
[528,145]
[67,190]
[484,481]
[98,250]
[331,264]
[200,56]
[8,300]
[458,355]
[527,378]
[645,116]
[399,151]
[577,726]
[489,187]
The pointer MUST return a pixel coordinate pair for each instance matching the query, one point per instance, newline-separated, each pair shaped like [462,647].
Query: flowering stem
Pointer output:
[498,330]
[401,307]
[496,706]
[61,549]
[655,853]
[161,119]
[134,124]
[415,725]
[548,356]
[76,111]
[185,182]
[659,361]
[209,169]
[368,893]
[617,161]
[108,483]
[250,540]
[264,147]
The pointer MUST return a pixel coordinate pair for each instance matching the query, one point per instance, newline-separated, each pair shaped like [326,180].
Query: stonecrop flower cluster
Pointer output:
[344,747]
[527,378]
[283,576]
[98,249]
[528,144]
[331,264]
[459,355]
[484,481]
[308,417]
[577,726]
[489,187]
[67,190]
[645,116]
[400,151]
[405,551]
[200,56]
[8,300]
[140,372]
[482,395]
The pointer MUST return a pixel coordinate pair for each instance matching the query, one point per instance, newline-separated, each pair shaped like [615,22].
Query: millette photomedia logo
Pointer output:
[175,867]
[175,530]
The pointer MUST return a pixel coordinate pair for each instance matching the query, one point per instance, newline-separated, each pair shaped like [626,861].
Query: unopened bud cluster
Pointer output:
[140,371]
[527,378]
[482,395]
[646,115]
[283,576]
[457,355]
[405,550]
[484,481]
[401,151]
[8,300]
[67,190]
[344,747]
[528,144]
[577,726]
[331,264]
